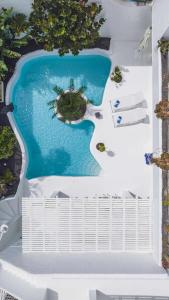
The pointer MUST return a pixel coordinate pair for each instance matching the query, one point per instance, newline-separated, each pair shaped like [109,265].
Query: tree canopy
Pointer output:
[69,25]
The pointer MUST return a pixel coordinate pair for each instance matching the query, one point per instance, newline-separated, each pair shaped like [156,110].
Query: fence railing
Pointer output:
[4,295]
[87,225]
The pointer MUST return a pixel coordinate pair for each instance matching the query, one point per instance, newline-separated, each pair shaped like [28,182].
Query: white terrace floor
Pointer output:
[126,170]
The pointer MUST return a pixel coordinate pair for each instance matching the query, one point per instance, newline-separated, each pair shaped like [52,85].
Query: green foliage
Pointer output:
[10,54]
[11,26]
[3,68]
[101,147]
[116,76]
[7,142]
[162,109]
[3,188]
[162,161]
[58,90]
[71,105]
[7,177]
[69,25]
[19,24]
[71,86]
[164,46]
[82,89]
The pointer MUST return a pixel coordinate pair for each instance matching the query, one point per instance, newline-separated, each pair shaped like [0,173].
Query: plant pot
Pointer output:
[101,147]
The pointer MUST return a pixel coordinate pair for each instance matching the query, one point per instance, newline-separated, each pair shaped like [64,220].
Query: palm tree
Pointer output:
[8,40]
[71,105]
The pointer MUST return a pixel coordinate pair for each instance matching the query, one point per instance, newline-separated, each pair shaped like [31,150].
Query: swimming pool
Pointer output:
[53,147]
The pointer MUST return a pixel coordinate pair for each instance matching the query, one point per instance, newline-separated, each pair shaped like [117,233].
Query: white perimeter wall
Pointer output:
[120,16]
[136,20]
[160,22]
[23,6]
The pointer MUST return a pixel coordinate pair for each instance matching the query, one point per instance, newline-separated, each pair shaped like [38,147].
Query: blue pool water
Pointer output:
[55,148]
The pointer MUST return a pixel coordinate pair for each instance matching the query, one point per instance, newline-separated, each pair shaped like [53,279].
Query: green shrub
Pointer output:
[164,46]
[69,25]
[19,24]
[3,189]
[116,75]
[7,177]
[101,147]
[7,142]
[10,28]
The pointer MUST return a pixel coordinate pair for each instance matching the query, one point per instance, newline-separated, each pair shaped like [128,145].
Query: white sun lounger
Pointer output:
[129,117]
[127,102]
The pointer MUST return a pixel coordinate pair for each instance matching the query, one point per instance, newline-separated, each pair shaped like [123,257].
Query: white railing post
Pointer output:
[3,294]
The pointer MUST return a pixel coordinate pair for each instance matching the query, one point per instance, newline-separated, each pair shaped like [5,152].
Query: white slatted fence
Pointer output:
[87,225]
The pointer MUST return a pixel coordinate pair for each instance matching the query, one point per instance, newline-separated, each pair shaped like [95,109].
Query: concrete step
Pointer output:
[13,205]
[20,288]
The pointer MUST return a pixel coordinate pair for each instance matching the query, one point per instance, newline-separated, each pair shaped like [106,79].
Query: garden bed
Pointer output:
[13,163]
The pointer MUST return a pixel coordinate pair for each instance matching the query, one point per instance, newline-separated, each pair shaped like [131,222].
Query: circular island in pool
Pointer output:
[70,105]
[55,147]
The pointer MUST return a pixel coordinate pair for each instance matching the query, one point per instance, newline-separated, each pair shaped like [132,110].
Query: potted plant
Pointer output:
[162,161]
[116,75]
[162,109]
[101,147]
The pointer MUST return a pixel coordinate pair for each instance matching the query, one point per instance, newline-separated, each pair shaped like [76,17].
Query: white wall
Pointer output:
[160,23]
[160,18]
[76,288]
[134,19]
[23,6]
